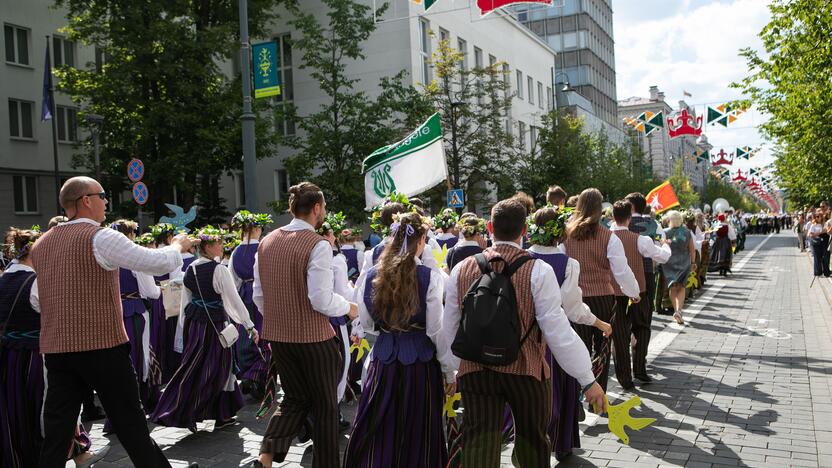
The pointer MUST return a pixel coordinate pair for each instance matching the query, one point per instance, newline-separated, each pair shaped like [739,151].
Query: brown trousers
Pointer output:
[484,397]
[603,307]
[309,375]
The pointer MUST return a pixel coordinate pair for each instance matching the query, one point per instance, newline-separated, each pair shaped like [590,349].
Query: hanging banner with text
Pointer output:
[265,62]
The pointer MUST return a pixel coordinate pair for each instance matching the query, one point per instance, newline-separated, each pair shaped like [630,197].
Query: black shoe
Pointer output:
[643,377]
[581,412]
[92,414]
[221,424]
[629,387]
[561,456]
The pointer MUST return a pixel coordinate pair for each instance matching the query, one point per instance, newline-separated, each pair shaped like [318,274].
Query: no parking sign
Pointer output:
[135,170]
[140,193]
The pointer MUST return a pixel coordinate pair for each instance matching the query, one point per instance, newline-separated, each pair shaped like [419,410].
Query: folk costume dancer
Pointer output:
[721,251]
[549,226]
[135,288]
[472,229]
[22,382]
[399,419]
[162,327]
[682,259]
[446,225]
[82,328]
[252,360]
[293,287]
[643,223]
[633,318]
[603,260]
[204,386]
[353,250]
[524,384]
[704,238]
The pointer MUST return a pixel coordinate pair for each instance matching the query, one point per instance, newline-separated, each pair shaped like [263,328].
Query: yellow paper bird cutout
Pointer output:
[441,255]
[449,405]
[619,417]
[693,281]
[362,346]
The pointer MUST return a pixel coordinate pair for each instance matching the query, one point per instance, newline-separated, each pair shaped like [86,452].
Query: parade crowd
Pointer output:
[520,313]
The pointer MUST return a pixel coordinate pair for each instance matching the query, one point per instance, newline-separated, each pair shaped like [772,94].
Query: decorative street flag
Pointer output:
[647,122]
[662,197]
[684,124]
[703,156]
[724,114]
[410,166]
[721,158]
[487,6]
[46,103]
[266,80]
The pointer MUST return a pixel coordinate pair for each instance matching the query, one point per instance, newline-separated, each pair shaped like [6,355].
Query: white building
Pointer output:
[404,40]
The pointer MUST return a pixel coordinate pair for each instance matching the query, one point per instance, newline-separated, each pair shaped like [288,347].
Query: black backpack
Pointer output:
[489,332]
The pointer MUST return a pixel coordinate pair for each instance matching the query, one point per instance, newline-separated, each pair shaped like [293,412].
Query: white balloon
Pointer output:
[720,205]
[706,208]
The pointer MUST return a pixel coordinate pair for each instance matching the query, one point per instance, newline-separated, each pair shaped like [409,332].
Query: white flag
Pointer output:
[409,167]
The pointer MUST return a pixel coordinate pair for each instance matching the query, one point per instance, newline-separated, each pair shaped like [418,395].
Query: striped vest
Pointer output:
[80,302]
[634,259]
[531,360]
[596,276]
[288,316]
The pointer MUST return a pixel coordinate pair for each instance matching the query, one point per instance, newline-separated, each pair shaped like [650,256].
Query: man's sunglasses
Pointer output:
[101,195]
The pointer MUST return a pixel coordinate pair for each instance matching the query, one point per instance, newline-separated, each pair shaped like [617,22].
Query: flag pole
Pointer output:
[48,73]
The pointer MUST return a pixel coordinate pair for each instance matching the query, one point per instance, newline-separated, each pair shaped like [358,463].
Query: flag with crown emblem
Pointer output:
[662,198]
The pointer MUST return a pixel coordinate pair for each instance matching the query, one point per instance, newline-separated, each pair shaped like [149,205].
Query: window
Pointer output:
[63,52]
[20,119]
[424,49]
[522,134]
[533,135]
[102,57]
[444,35]
[530,82]
[462,47]
[67,124]
[548,98]
[492,60]
[281,184]
[17,44]
[287,84]
[540,95]
[519,84]
[25,194]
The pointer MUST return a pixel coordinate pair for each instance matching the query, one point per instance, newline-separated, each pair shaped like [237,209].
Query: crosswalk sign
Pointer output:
[456,198]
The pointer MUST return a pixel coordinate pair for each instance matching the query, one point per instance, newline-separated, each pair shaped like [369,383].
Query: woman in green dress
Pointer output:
[682,259]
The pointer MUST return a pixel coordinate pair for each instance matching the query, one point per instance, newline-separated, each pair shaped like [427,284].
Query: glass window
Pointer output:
[16,44]
[67,124]
[548,98]
[521,126]
[519,84]
[424,50]
[20,119]
[540,95]
[530,82]
[25,194]
[444,35]
[281,184]
[63,52]
[462,47]
[287,85]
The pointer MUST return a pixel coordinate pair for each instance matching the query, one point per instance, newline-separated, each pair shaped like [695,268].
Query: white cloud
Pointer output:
[695,49]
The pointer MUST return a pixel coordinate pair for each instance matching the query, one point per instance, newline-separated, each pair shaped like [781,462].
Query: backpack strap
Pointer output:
[483,263]
[516,265]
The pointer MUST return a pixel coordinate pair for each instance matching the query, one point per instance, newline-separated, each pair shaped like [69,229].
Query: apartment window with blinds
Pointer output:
[287,84]
[67,124]
[424,49]
[540,95]
[17,44]
[519,84]
[63,52]
[530,82]
[20,119]
[25,194]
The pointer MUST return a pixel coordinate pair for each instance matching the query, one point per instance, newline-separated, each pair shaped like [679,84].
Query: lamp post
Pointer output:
[247,116]
[96,122]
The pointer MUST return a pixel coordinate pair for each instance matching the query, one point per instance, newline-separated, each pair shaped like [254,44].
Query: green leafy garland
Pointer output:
[161,230]
[375,218]
[468,230]
[335,222]
[210,234]
[445,219]
[245,219]
[550,232]
[230,242]
[145,239]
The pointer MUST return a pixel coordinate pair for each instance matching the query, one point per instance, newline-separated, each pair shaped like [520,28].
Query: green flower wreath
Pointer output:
[446,219]
[161,230]
[210,234]
[335,222]
[551,231]
[145,239]
[230,242]
[245,219]
[468,230]
[375,218]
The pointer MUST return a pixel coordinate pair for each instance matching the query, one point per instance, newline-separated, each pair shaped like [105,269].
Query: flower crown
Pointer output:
[446,219]
[24,250]
[551,231]
[210,234]
[375,218]
[145,239]
[408,229]
[230,242]
[245,219]
[162,229]
[335,222]
[469,230]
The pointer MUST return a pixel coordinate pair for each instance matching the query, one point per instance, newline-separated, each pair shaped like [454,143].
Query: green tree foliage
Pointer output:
[683,187]
[163,95]
[792,82]
[349,125]
[717,188]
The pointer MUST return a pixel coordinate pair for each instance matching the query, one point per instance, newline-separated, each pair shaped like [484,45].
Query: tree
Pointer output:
[681,185]
[349,125]
[158,85]
[792,82]
[717,188]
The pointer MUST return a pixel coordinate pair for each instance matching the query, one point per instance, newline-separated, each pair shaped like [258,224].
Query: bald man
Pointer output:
[82,333]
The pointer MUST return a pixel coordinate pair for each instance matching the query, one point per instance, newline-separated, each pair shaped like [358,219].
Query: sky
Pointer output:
[693,46]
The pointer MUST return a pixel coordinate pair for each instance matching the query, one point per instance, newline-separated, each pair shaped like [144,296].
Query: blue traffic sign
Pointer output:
[135,170]
[456,198]
[140,193]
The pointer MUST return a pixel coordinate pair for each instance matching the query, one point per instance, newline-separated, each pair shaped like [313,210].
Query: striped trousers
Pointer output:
[603,307]
[640,319]
[309,375]
[484,396]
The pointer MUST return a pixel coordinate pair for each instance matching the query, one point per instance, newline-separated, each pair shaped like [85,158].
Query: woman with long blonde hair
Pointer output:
[602,260]
[399,417]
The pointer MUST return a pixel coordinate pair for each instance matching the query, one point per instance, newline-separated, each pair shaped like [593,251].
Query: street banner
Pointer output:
[410,166]
[662,198]
[265,60]
[487,6]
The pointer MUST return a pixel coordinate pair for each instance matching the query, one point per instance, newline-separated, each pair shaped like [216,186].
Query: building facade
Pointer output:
[581,32]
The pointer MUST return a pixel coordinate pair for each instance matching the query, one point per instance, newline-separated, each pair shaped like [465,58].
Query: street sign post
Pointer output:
[140,193]
[135,170]
[456,198]
[266,80]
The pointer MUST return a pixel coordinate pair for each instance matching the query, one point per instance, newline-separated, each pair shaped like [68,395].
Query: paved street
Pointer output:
[744,383]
